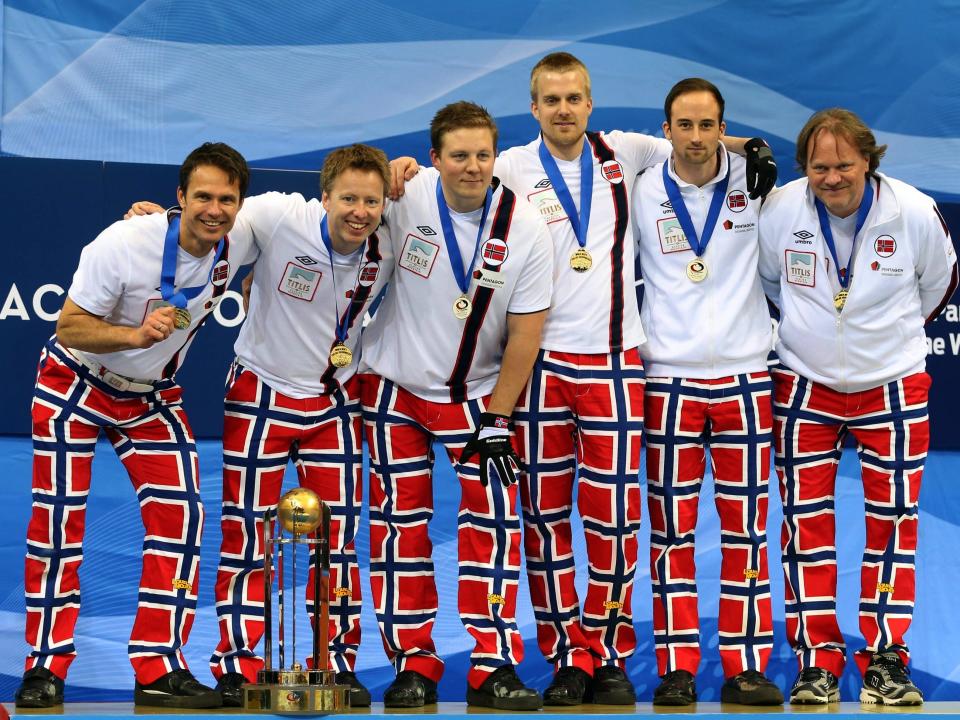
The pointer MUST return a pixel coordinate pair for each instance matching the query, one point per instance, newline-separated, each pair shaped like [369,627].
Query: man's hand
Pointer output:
[491,441]
[761,168]
[156,328]
[401,169]
[143,207]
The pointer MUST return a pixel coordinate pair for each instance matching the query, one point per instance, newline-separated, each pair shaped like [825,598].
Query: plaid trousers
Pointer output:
[581,418]
[732,416]
[891,427]
[151,436]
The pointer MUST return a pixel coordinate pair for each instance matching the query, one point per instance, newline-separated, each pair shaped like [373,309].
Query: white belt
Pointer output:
[114,380]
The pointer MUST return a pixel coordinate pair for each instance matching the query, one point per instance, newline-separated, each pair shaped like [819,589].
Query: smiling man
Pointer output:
[448,354]
[293,395]
[858,263]
[142,290]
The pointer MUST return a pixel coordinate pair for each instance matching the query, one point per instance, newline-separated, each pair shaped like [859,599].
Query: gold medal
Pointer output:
[581,261]
[181,318]
[840,299]
[341,355]
[697,270]
[462,307]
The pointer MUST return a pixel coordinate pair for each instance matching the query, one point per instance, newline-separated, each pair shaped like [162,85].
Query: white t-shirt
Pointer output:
[843,231]
[594,311]
[415,339]
[297,298]
[717,327]
[118,279]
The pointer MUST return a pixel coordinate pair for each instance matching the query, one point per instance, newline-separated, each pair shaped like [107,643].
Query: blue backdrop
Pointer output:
[145,81]
[98,95]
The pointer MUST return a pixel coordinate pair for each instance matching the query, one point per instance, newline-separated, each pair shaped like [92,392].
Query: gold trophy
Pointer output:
[296,689]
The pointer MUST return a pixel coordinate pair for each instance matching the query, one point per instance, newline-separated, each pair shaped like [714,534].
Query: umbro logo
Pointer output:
[666,204]
[803,234]
[426,230]
[543,183]
[305,260]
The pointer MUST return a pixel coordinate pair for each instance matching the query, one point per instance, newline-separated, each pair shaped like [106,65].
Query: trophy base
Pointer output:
[307,699]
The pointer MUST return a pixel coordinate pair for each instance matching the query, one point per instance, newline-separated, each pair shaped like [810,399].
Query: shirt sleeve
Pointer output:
[103,271]
[391,208]
[503,168]
[243,248]
[535,287]
[769,255]
[643,151]
[936,264]
[388,259]
[261,214]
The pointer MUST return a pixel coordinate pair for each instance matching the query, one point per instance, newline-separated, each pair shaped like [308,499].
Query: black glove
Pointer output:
[491,441]
[761,168]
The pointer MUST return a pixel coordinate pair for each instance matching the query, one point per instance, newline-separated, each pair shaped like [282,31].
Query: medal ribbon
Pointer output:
[866,202]
[698,244]
[168,267]
[341,329]
[580,221]
[450,239]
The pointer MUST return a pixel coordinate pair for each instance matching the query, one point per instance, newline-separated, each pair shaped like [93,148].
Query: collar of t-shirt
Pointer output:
[707,188]
[189,265]
[843,231]
[465,225]
[348,261]
[570,172]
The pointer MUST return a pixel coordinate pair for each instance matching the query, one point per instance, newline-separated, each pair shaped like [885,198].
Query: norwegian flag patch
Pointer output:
[368,274]
[885,246]
[494,252]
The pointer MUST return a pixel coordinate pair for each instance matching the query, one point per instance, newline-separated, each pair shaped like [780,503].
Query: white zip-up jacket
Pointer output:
[714,328]
[903,272]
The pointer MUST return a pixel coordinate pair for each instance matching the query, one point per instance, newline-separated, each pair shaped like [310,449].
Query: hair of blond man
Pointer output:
[839,123]
[558,62]
[354,157]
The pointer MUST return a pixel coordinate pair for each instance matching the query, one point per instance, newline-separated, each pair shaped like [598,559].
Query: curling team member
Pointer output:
[141,292]
[708,337]
[449,352]
[858,263]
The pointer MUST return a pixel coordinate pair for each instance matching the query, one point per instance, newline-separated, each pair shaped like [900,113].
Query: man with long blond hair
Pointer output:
[858,263]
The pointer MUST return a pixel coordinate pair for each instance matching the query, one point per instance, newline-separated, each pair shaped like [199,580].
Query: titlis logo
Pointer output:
[803,237]
[800,267]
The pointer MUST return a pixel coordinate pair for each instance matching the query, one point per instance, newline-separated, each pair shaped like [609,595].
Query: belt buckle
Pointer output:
[117,382]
